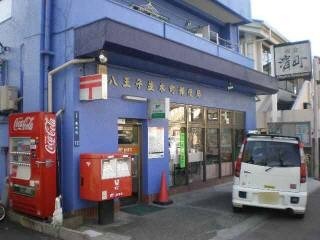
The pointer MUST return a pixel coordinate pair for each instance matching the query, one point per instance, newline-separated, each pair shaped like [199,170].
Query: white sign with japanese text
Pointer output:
[158,108]
[155,142]
[293,60]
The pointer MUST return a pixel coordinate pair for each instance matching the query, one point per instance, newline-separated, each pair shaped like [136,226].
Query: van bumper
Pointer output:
[269,199]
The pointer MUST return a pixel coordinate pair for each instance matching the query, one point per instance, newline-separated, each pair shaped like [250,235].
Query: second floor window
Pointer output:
[266,60]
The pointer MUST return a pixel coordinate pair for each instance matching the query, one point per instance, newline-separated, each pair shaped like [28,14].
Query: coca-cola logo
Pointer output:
[50,135]
[23,124]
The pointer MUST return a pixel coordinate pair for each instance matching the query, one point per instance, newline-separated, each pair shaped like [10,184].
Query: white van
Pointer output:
[271,172]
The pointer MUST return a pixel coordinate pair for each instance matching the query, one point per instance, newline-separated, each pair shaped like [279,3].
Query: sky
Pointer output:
[295,19]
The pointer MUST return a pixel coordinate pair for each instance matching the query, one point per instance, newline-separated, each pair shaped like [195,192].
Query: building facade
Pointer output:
[184,51]
[257,40]
[289,111]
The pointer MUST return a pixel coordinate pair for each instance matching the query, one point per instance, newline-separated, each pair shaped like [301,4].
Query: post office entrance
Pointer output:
[129,142]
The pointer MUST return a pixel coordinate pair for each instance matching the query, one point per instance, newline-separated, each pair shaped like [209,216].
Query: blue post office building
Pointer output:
[183,53]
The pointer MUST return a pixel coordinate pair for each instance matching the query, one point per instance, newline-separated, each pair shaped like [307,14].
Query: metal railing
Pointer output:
[149,9]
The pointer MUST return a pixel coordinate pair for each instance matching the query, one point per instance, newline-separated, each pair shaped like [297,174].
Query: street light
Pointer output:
[103,57]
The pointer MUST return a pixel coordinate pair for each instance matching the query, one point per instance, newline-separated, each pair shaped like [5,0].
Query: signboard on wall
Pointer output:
[155,142]
[93,87]
[76,129]
[182,155]
[293,60]
[158,108]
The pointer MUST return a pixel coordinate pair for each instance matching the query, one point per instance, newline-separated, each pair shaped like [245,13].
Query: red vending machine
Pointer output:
[32,156]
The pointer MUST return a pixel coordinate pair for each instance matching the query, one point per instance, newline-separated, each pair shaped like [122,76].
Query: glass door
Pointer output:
[195,146]
[226,149]
[129,142]
[212,153]
[195,154]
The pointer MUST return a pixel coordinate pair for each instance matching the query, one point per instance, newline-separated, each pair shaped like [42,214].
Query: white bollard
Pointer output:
[57,218]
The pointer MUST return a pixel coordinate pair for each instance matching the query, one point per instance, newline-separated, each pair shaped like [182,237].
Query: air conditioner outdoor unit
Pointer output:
[8,98]
[203,31]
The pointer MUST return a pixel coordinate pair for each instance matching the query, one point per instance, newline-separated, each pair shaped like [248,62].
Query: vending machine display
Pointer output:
[32,156]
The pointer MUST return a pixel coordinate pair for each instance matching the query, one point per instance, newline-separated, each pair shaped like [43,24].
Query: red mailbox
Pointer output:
[105,176]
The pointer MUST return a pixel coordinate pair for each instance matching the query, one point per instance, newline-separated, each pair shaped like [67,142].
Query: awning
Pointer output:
[135,48]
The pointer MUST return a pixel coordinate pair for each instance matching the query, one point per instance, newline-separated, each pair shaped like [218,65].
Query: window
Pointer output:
[226,145]
[272,154]
[127,135]
[177,113]
[226,118]
[212,148]
[213,116]
[212,139]
[266,60]
[195,114]
[195,143]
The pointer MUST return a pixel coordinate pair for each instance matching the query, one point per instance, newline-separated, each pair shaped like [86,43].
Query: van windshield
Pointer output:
[272,154]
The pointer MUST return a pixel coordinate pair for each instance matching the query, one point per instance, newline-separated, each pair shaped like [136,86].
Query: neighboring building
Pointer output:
[288,111]
[186,51]
[257,40]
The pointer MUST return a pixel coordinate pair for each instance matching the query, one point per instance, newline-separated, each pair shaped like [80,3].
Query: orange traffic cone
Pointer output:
[163,195]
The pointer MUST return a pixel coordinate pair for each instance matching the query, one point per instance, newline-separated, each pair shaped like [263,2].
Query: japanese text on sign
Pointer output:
[293,60]
[152,86]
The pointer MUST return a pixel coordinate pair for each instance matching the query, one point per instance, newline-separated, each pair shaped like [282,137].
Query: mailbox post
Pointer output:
[104,177]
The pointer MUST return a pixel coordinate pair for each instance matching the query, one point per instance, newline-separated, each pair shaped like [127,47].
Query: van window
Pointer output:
[272,154]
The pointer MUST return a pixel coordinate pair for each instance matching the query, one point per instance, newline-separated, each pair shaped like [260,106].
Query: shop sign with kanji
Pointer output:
[293,60]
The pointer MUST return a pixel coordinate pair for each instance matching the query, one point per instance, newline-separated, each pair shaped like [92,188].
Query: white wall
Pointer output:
[303,96]
[5,10]
[305,115]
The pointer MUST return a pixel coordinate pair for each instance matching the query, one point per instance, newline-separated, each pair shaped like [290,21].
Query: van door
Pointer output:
[271,165]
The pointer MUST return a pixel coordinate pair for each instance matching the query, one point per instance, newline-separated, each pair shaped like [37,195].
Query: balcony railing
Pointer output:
[152,22]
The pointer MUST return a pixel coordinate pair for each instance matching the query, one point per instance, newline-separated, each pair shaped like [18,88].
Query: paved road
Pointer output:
[282,226]
[12,231]
[207,215]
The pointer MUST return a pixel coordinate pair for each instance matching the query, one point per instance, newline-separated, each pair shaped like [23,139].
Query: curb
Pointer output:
[47,228]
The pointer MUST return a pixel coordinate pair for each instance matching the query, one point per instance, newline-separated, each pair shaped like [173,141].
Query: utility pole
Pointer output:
[316,78]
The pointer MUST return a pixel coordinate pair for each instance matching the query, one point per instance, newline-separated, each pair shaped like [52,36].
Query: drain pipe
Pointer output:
[60,68]
[46,53]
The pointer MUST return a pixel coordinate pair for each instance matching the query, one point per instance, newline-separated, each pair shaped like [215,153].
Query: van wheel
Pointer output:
[2,212]
[237,209]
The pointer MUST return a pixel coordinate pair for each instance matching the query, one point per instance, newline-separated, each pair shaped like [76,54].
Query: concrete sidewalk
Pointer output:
[202,214]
